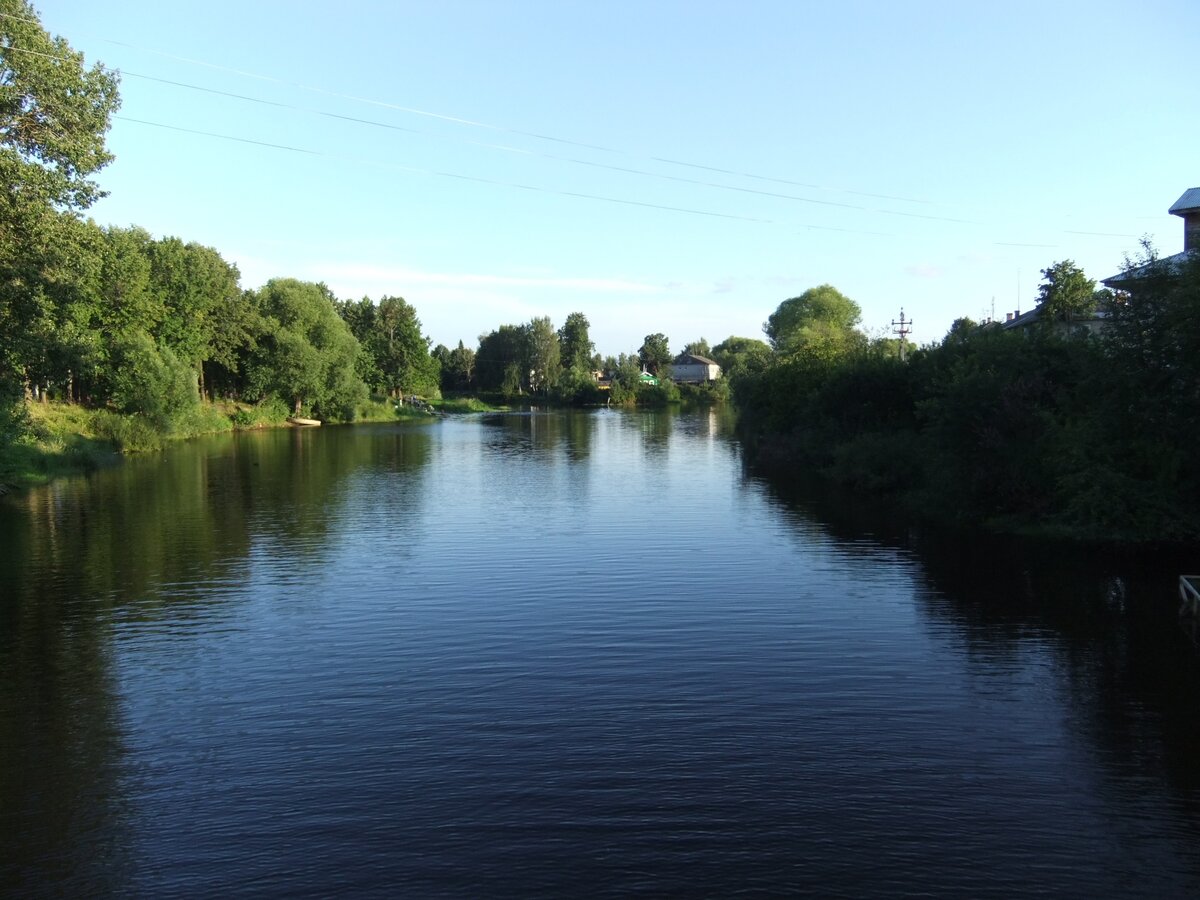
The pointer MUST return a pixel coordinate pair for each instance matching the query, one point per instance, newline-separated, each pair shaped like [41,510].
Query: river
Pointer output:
[570,654]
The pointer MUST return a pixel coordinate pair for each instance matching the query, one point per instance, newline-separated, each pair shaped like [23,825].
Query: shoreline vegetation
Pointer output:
[1079,425]
[61,439]
[113,340]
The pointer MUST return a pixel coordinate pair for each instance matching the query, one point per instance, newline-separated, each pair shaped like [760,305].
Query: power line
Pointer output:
[472,123]
[536,135]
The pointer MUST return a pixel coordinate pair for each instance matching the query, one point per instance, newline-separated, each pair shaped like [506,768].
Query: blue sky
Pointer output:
[659,166]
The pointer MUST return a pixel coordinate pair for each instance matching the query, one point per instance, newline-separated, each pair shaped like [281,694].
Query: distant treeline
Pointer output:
[1051,428]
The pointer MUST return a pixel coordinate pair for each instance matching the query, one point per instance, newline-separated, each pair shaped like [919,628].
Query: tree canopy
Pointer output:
[655,353]
[307,354]
[1066,293]
[54,114]
[575,345]
[822,315]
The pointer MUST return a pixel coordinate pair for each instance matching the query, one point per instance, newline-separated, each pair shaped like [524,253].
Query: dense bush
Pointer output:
[1090,437]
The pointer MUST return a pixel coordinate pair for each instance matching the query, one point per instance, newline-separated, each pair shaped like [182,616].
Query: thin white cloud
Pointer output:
[401,276]
[925,270]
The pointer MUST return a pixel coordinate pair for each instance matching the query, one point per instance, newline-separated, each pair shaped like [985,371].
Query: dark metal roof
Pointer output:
[1189,202]
[1167,265]
[684,359]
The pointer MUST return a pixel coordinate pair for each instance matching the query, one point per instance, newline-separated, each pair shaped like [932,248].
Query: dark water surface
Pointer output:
[569,655]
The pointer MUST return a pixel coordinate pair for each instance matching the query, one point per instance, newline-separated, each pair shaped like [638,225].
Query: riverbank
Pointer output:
[65,439]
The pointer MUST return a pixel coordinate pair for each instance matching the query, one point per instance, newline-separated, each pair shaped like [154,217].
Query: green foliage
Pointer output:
[54,113]
[464,405]
[821,320]
[655,353]
[152,381]
[1066,293]
[129,434]
[578,386]
[542,355]
[395,357]
[195,287]
[575,346]
[708,392]
[457,367]
[267,413]
[699,348]
[1088,438]
[662,394]
[738,356]
[499,359]
[307,354]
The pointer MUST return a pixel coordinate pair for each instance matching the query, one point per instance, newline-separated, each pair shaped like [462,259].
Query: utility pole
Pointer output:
[902,328]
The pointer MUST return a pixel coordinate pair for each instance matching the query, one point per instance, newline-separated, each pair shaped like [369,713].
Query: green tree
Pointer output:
[820,320]
[307,353]
[741,355]
[193,283]
[542,355]
[1066,293]
[655,353]
[400,350]
[458,367]
[500,358]
[699,348]
[575,346]
[624,374]
[54,113]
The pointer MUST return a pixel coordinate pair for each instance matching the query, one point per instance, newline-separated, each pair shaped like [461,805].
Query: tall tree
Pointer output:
[699,348]
[655,353]
[542,355]
[500,358]
[458,367]
[193,282]
[400,350]
[576,346]
[54,113]
[307,353]
[822,319]
[1066,293]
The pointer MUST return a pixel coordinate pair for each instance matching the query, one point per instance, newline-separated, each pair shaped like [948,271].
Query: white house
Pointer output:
[688,368]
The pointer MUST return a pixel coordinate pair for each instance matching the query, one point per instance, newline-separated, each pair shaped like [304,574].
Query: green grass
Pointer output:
[464,405]
[65,439]
[61,440]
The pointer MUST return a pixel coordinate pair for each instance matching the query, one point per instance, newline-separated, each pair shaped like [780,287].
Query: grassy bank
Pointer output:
[64,439]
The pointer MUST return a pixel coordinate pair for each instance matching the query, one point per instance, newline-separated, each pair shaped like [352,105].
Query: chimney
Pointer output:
[1187,208]
[1008,317]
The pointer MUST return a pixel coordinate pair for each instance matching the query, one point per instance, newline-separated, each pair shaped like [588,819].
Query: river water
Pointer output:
[584,654]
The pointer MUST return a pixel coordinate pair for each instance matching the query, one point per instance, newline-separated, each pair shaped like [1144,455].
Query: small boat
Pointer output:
[297,420]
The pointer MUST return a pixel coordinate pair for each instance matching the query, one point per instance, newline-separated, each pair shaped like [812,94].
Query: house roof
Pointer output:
[1170,265]
[1023,319]
[684,359]
[1189,202]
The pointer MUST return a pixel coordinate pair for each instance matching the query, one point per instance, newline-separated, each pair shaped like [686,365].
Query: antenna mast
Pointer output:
[902,328]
